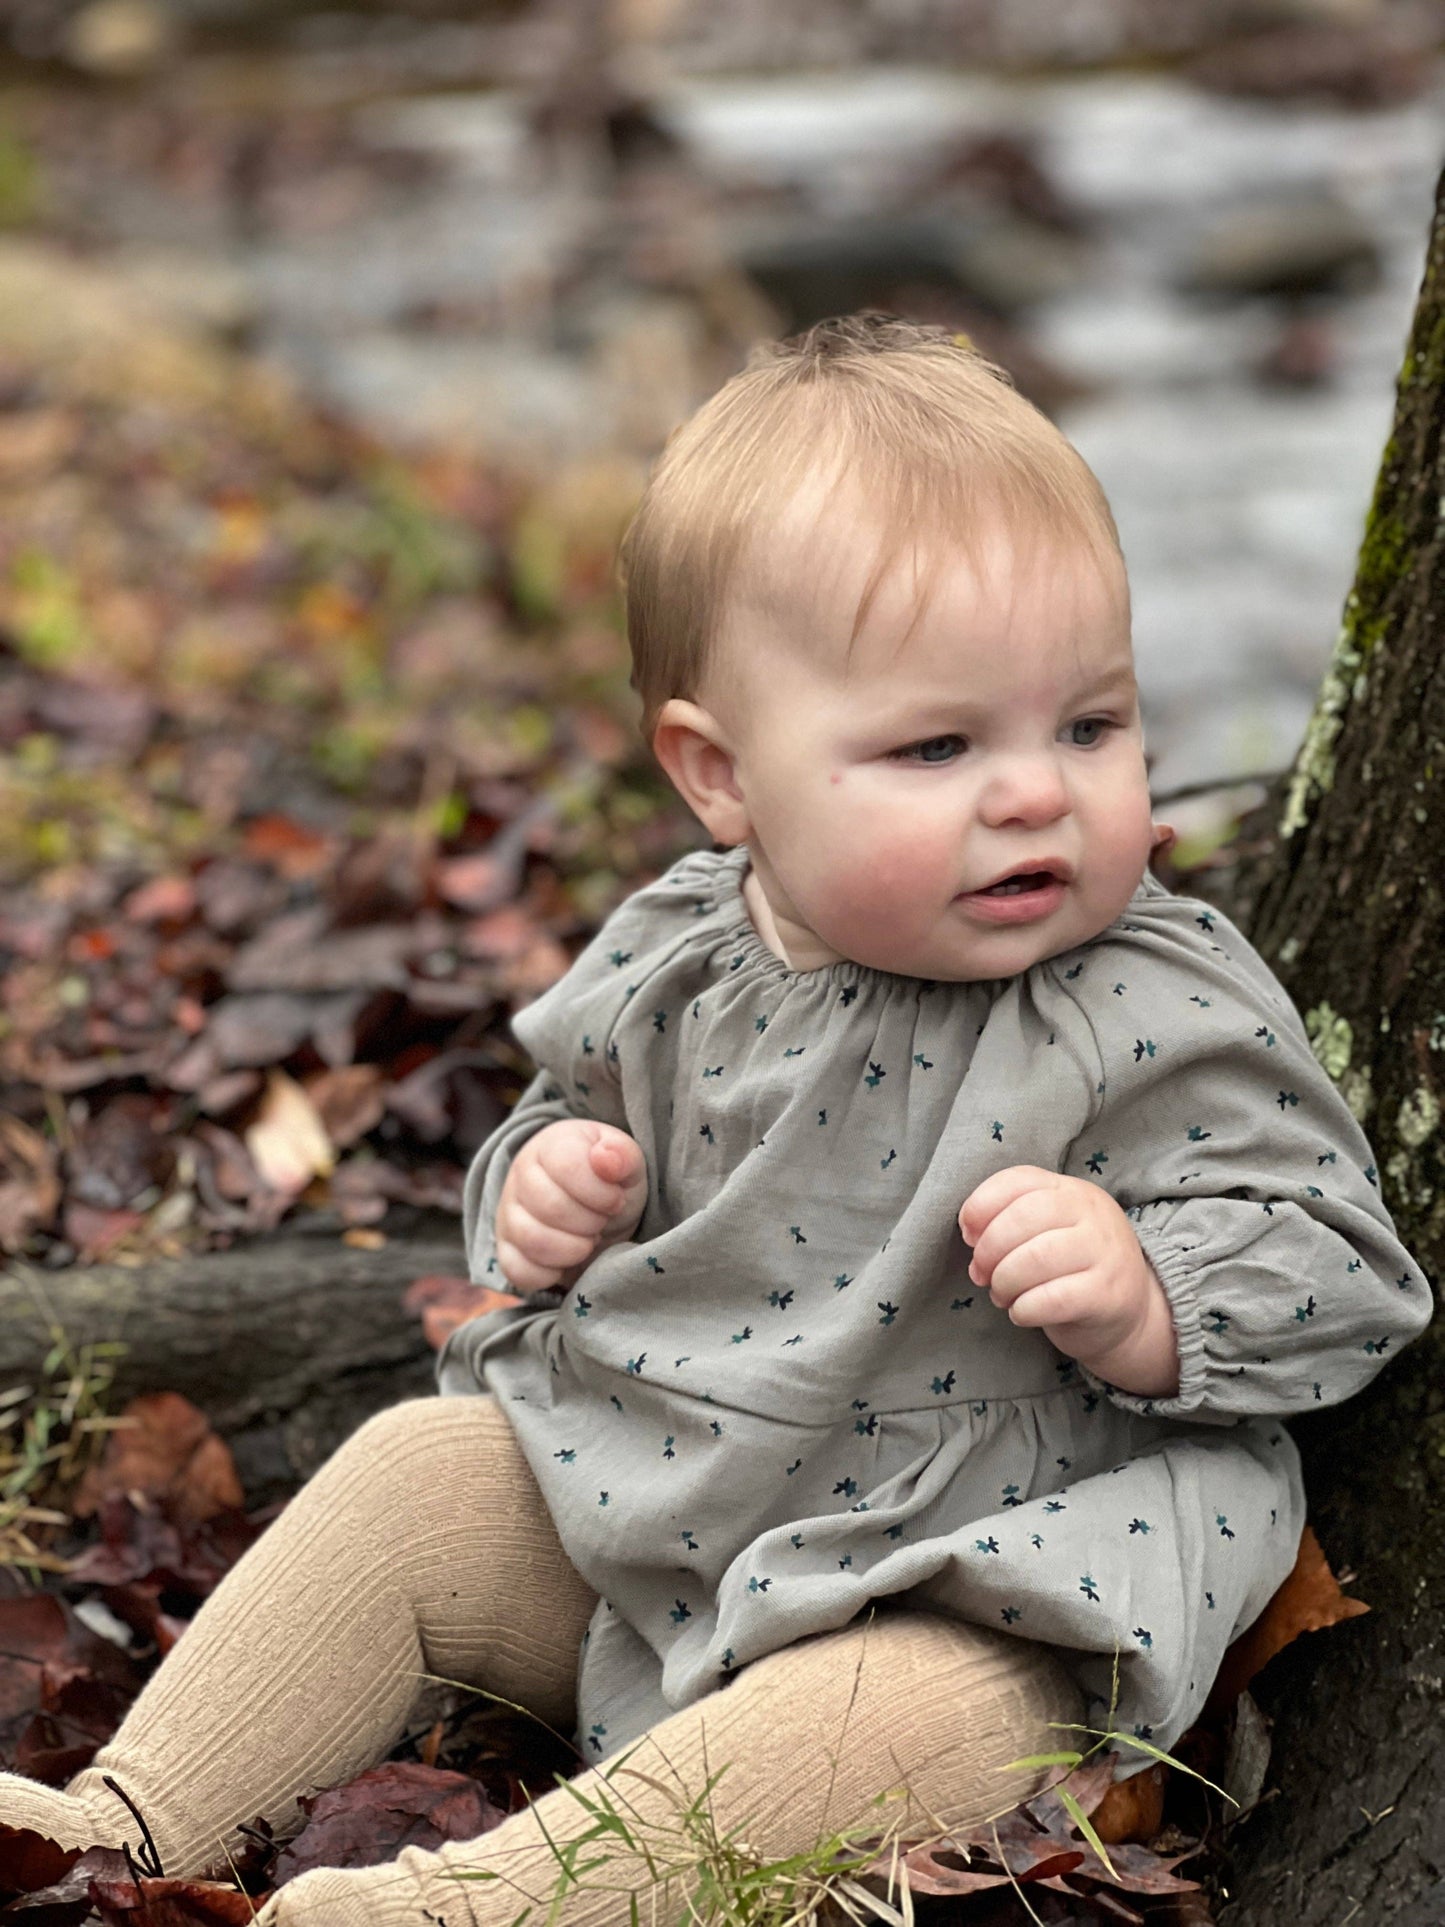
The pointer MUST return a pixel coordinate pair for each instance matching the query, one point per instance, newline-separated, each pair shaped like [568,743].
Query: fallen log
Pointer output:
[286,1342]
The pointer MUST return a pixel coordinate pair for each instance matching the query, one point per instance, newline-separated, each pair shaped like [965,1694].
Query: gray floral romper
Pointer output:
[784,1398]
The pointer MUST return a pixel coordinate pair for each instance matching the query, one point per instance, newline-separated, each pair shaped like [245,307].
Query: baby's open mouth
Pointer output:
[1016,885]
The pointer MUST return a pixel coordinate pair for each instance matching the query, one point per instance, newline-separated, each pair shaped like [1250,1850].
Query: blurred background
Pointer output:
[334,344]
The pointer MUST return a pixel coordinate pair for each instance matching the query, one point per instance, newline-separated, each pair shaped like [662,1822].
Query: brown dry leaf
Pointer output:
[445,1303]
[1039,1842]
[96,1233]
[170,1903]
[54,1880]
[290,848]
[288,1142]
[1131,1809]
[392,1806]
[1309,1600]
[350,1101]
[167,1451]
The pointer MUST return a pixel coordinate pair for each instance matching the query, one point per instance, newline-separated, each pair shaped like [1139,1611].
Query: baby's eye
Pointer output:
[1100,723]
[908,753]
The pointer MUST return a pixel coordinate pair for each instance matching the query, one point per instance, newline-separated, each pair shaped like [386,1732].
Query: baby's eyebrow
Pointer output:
[1120,678]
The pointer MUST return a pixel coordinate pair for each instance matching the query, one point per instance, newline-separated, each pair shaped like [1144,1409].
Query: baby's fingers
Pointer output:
[562,1154]
[534,1255]
[578,1201]
[1060,1302]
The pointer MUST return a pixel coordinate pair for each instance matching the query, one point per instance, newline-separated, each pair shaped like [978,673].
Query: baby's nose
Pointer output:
[1028,790]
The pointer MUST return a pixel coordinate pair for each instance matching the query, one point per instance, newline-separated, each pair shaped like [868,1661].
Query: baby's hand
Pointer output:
[1059,1253]
[573,1188]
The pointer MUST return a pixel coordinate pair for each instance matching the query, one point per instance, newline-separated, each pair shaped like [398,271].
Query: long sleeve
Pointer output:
[1251,1186]
[571,1035]
[567,1032]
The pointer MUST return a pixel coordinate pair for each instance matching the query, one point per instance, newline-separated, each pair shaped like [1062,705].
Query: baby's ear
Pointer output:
[1165,836]
[693,750]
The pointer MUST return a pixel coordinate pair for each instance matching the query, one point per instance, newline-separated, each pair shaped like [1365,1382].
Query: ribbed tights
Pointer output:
[423,1547]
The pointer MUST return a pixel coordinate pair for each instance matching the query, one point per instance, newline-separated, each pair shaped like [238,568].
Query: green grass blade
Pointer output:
[1082,1822]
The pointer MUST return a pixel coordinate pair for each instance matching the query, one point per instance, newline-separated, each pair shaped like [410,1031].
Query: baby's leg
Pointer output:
[423,1545]
[809,1736]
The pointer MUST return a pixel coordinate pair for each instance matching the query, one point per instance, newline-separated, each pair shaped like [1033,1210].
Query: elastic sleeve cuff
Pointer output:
[1171,1262]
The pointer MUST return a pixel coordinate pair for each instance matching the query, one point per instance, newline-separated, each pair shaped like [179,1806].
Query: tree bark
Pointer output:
[286,1343]
[1339,882]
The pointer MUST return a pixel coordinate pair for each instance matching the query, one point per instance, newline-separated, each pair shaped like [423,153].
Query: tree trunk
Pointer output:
[286,1343]
[1342,889]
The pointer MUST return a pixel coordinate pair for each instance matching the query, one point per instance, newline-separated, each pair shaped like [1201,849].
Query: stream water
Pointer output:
[1240,502]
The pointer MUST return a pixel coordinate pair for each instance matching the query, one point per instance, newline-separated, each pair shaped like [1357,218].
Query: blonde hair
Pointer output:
[947,444]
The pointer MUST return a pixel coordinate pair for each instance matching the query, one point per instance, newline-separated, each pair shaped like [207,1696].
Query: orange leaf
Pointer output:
[1309,1600]
[1131,1809]
[289,847]
[443,1301]
[168,1451]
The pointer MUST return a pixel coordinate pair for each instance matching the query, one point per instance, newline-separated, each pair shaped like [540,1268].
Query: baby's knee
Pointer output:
[902,1673]
[426,1428]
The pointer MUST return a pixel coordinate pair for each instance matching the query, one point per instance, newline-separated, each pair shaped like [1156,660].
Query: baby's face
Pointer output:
[1002,737]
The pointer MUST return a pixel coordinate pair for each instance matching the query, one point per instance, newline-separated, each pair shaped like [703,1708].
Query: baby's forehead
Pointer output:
[829,582]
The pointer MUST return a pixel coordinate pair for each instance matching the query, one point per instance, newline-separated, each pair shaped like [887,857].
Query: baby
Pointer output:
[927,1204]
[925,1216]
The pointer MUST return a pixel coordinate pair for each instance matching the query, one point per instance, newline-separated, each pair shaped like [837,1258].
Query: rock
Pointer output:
[997,260]
[1291,245]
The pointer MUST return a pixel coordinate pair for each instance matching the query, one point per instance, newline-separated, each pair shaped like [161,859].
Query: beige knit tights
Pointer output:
[423,1546]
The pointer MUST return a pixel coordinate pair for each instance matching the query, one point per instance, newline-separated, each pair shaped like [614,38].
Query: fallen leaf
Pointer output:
[144,1558]
[164,1448]
[96,1233]
[64,1899]
[443,1302]
[288,1142]
[1131,1809]
[360,1238]
[1309,1600]
[373,1817]
[170,1903]
[1032,1839]
[504,933]
[350,1101]
[289,847]
[474,883]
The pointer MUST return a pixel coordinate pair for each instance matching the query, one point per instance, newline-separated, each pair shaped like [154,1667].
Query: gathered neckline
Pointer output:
[748,943]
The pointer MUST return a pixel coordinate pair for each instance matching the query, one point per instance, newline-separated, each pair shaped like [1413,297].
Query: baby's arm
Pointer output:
[1249,1187]
[522,1191]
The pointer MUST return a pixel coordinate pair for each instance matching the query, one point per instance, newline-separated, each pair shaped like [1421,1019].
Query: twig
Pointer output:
[148,1846]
